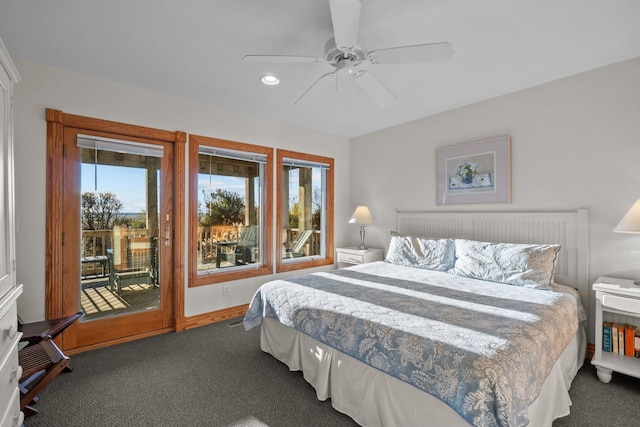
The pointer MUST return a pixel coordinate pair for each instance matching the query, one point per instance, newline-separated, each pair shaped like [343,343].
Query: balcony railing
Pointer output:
[133,250]
[209,238]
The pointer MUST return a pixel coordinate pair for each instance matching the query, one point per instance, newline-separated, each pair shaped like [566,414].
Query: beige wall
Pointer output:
[575,143]
[44,87]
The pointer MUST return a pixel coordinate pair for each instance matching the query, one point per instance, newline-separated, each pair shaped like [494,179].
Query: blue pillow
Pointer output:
[525,265]
[429,254]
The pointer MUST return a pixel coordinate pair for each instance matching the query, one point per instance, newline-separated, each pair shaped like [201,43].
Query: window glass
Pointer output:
[119,210]
[305,221]
[229,209]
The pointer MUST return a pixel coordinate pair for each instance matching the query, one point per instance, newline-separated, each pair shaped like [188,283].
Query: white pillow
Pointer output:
[430,254]
[525,265]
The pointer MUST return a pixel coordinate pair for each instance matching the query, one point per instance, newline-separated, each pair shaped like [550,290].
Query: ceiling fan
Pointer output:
[348,58]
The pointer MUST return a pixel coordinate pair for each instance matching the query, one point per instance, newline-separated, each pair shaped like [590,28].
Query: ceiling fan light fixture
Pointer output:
[347,67]
[269,80]
[350,60]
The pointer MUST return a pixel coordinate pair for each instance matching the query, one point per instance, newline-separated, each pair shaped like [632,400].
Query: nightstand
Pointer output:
[352,256]
[617,301]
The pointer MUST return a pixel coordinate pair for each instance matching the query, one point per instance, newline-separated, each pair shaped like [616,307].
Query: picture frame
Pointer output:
[475,172]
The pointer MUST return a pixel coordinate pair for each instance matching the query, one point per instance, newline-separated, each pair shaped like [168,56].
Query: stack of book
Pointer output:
[622,339]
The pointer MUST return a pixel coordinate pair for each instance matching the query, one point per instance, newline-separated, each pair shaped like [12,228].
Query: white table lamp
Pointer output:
[630,223]
[361,216]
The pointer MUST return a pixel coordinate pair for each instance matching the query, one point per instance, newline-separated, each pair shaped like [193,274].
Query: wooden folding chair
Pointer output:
[42,359]
[35,332]
[40,362]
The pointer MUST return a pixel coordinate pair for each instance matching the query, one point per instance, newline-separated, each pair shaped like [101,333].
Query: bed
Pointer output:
[432,333]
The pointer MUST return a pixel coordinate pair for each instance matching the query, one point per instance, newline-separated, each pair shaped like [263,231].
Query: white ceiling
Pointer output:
[193,49]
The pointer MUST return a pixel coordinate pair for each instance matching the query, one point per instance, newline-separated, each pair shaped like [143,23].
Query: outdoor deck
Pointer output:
[99,301]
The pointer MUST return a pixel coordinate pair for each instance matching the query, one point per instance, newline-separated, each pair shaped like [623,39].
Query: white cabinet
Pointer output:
[9,336]
[617,301]
[10,371]
[352,256]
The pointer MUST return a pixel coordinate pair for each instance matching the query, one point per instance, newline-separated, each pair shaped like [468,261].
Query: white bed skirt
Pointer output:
[373,398]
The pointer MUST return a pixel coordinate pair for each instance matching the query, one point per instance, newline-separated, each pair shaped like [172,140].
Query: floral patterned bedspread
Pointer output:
[483,348]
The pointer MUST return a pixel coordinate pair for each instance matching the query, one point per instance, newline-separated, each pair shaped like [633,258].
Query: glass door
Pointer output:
[117,228]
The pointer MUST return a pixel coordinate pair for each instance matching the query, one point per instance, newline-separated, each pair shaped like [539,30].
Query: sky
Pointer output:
[209,183]
[128,184]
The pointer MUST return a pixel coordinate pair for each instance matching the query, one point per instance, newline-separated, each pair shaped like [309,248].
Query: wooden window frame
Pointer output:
[266,265]
[305,262]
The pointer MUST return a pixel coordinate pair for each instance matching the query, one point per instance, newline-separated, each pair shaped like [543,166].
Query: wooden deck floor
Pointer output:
[98,301]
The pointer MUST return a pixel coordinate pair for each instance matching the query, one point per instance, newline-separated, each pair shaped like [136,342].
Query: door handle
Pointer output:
[167,231]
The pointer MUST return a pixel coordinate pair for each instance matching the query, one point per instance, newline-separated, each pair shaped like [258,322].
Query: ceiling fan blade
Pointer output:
[375,89]
[274,59]
[345,15]
[317,87]
[432,52]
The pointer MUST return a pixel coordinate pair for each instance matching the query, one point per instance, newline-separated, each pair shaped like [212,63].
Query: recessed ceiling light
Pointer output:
[270,80]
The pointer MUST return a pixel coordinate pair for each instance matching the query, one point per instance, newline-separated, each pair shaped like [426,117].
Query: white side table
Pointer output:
[352,256]
[617,300]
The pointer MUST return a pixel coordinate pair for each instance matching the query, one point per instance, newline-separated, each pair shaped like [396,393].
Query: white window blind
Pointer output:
[232,154]
[119,146]
[303,164]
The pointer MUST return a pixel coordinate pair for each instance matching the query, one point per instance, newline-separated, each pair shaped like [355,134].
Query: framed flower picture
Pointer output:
[476,172]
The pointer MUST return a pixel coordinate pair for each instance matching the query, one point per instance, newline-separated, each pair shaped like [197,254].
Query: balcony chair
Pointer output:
[122,279]
[247,248]
[295,250]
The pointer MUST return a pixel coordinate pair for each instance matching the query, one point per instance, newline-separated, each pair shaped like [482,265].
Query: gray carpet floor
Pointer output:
[217,375]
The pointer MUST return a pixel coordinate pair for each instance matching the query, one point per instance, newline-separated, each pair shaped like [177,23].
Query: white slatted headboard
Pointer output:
[570,229]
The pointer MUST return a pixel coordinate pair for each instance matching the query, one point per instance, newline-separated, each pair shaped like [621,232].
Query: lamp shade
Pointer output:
[361,216]
[630,223]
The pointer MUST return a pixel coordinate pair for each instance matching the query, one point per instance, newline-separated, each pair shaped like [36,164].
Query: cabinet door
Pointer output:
[7,235]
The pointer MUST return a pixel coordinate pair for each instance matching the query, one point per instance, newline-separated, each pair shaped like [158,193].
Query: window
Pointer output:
[305,210]
[121,206]
[230,210]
